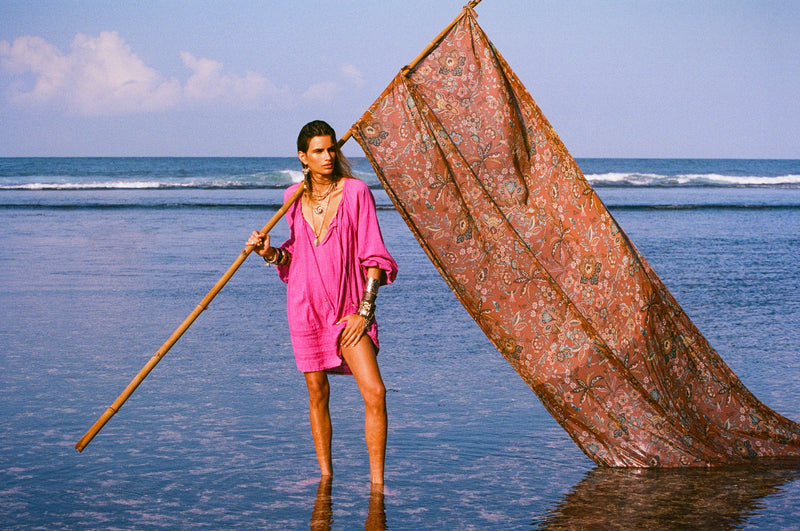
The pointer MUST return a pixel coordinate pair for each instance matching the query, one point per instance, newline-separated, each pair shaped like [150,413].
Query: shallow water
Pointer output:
[217,435]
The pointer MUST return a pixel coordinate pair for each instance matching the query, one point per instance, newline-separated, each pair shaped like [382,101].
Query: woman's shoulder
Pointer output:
[289,191]
[359,193]
[356,186]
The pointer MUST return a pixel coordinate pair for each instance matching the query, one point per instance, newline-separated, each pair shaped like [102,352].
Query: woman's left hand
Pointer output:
[355,327]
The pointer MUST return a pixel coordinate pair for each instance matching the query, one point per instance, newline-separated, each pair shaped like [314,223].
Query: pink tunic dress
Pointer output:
[326,282]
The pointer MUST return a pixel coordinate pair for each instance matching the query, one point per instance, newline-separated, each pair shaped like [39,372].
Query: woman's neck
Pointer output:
[321,180]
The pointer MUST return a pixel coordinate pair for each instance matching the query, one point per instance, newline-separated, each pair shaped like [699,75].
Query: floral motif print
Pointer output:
[528,248]
[452,62]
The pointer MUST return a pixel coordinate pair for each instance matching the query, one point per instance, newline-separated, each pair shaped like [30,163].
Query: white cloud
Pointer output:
[208,83]
[348,77]
[353,74]
[325,92]
[102,76]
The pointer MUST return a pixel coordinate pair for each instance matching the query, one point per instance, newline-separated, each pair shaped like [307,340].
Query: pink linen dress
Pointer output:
[326,282]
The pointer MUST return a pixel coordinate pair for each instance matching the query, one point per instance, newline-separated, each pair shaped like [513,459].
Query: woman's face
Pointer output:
[320,156]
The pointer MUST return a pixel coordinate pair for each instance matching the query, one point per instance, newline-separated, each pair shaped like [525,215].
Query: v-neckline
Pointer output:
[310,224]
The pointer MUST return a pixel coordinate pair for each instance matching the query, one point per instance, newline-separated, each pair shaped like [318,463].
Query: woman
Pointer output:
[333,263]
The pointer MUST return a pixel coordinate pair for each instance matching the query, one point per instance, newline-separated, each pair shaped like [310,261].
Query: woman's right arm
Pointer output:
[271,255]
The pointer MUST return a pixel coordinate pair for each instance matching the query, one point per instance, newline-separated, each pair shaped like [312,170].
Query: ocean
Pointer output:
[102,258]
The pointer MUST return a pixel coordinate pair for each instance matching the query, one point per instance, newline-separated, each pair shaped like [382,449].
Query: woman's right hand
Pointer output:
[260,243]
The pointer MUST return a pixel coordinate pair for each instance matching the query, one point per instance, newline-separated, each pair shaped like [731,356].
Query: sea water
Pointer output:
[101,259]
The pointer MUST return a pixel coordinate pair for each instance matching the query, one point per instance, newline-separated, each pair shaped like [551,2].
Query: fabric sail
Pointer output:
[526,245]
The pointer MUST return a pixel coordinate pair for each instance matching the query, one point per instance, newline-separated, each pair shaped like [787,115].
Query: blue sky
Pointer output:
[615,78]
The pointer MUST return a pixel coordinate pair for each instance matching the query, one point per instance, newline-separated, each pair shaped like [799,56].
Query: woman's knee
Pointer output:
[319,390]
[374,393]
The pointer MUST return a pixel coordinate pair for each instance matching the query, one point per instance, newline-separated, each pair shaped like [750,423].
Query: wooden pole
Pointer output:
[435,42]
[105,417]
[406,69]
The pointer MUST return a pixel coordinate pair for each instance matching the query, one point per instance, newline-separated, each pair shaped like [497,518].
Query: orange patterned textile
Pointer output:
[504,213]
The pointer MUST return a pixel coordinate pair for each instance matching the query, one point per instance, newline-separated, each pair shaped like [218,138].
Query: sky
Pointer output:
[637,78]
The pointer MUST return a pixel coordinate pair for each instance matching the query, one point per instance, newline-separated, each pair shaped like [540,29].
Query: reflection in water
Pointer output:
[322,515]
[719,498]
[376,517]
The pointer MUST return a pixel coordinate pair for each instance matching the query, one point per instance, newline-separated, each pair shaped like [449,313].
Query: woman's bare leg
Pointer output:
[363,363]
[319,392]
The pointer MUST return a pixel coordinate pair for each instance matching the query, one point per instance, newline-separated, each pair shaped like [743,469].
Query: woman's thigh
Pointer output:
[363,363]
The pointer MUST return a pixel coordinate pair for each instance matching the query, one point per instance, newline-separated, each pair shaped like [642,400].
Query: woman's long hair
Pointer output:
[341,168]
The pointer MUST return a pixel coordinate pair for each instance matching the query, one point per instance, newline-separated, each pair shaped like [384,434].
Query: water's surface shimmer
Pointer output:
[217,436]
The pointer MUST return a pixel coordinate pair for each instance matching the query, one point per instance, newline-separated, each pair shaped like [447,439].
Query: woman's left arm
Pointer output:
[358,323]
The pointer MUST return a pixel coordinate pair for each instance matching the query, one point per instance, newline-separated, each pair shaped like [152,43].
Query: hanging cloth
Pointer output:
[526,245]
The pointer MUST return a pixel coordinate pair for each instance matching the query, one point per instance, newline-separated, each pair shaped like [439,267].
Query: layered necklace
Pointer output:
[320,211]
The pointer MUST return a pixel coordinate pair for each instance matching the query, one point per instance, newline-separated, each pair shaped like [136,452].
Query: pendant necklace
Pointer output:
[319,210]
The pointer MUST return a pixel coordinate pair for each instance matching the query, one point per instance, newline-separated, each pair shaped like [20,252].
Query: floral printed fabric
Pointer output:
[504,213]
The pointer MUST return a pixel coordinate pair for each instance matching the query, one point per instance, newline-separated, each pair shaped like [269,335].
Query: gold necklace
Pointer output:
[319,210]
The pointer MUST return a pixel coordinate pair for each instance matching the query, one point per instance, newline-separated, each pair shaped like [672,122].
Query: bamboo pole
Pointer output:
[105,417]
[435,42]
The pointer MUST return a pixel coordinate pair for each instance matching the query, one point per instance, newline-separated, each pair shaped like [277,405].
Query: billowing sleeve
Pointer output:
[371,250]
[288,245]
